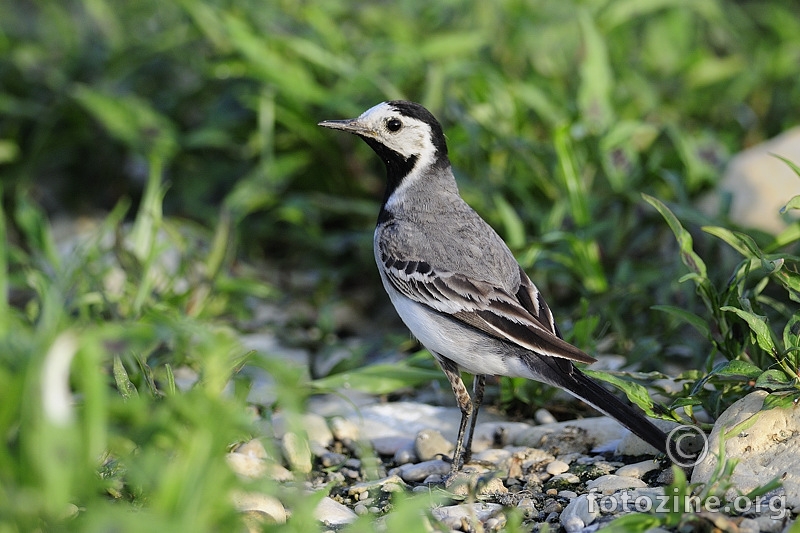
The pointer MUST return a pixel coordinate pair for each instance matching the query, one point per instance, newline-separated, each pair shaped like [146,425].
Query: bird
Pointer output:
[456,284]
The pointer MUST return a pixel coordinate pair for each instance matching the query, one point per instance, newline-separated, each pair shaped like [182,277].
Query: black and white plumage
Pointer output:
[455,283]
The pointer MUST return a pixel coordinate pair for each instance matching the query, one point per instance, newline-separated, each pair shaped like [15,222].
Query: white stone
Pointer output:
[543,416]
[332,513]
[610,483]
[579,514]
[261,503]
[572,436]
[469,511]
[766,446]
[417,472]
[557,467]
[760,184]
[430,444]
[637,470]
[634,446]
[297,453]
[344,430]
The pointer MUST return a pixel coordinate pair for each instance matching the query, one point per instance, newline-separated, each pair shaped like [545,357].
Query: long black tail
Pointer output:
[564,374]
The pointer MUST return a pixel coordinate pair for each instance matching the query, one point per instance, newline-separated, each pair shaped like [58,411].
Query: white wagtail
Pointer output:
[455,283]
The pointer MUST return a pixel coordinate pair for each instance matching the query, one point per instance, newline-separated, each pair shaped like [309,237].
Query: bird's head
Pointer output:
[405,135]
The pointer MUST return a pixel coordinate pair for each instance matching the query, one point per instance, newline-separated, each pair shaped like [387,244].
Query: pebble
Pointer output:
[578,514]
[528,507]
[610,483]
[495,456]
[454,514]
[412,473]
[251,467]
[260,503]
[387,484]
[557,467]
[344,430]
[316,428]
[465,483]
[637,470]
[253,448]
[360,509]
[390,445]
[749,525]
[297,453]
[431,444]
[406,455]
[566,477]
[543,416]
[330,459]
[332,513]
[568,494]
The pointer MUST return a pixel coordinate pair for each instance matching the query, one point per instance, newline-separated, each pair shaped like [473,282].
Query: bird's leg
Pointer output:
[464,403]
[478,385]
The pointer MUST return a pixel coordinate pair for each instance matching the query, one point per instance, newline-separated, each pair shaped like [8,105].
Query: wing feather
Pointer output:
[523,319]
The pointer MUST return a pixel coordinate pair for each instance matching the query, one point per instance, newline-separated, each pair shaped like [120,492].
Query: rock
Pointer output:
[455,515]
[330,459]
[388,484]
[528,507]
[637,470]
[557,467]
[760,184]
[497,457]
[573,436]
[253,448]
[315,427]
[766,446]
[634,446]
[297,453]
[748,525]
[344,430]
[543,416]
[497,434]
[332,513]
[261,503]
[579,514]
[468,482]
[430,444]
[389,446]
[610,483]
[251,467]
[414,473]
[406,455]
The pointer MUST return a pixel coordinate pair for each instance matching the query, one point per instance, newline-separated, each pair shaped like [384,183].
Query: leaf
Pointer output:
[378,379]
[688,256]
[777,400]
[773,380]
[636,393]
[794,203]
[737,370]
[758,325]
[126,389]
[690,318]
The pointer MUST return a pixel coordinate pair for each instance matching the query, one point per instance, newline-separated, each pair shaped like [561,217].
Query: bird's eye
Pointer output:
[393,124]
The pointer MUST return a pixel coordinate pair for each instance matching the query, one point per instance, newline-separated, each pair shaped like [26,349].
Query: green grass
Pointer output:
[187,131]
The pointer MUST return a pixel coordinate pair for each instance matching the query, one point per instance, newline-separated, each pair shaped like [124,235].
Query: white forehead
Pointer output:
[379,110]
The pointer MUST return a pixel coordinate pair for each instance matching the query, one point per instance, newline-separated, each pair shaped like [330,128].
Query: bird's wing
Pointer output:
[523,318]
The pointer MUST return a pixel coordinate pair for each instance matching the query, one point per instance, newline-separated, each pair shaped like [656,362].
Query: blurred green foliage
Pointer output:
[194,125]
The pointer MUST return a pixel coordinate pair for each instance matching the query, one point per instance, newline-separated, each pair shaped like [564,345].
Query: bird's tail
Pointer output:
[590,391]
